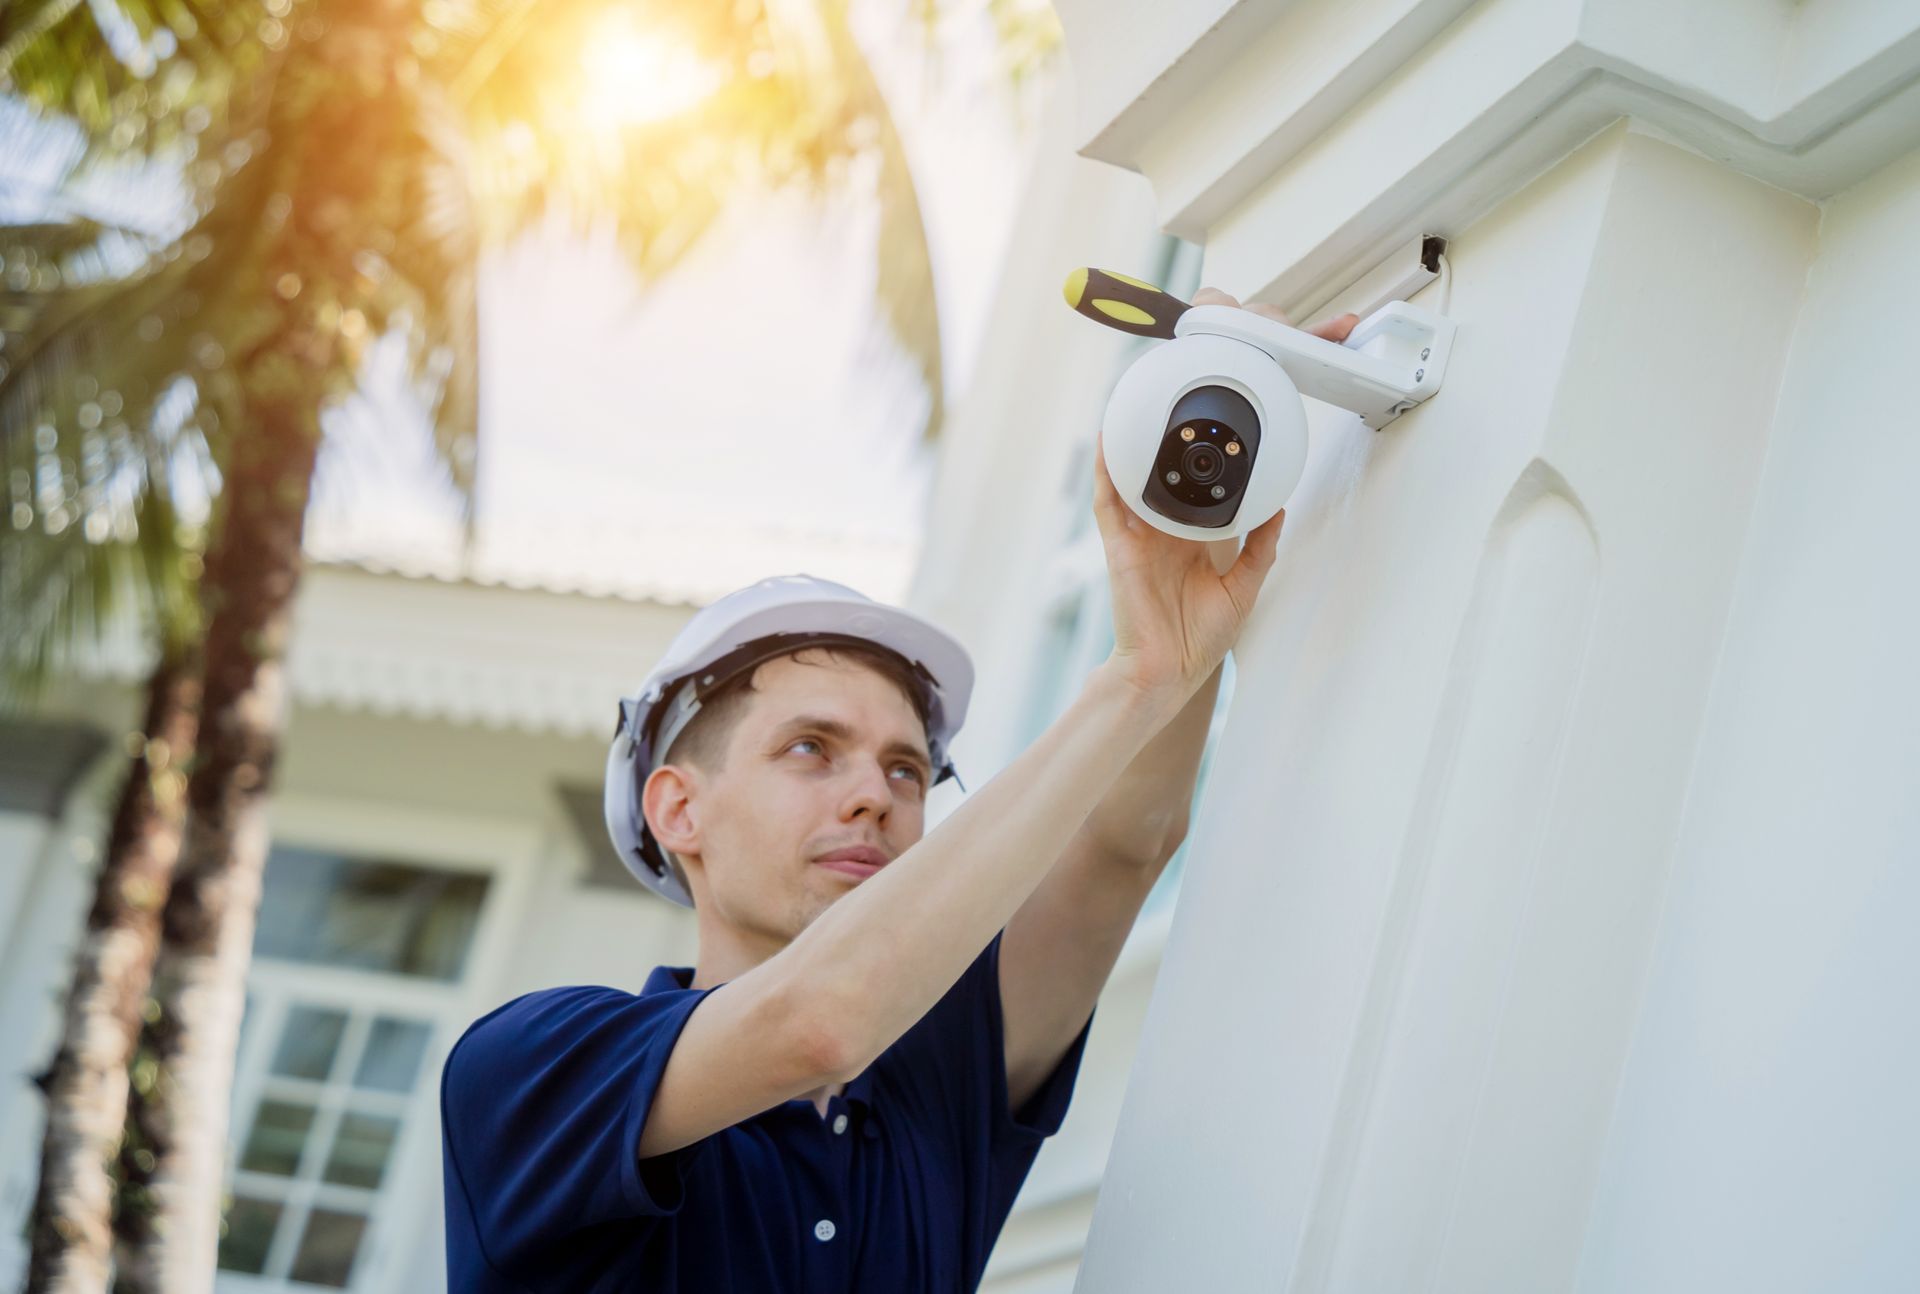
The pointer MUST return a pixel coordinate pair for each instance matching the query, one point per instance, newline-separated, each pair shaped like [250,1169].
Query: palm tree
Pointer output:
[92,536]
[255,307]
[346,161]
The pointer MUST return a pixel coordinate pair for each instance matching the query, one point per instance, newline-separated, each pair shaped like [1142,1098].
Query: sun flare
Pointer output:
[633,76]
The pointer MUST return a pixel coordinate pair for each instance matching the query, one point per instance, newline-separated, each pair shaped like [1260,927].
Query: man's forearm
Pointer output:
[875,961]
[1143,816]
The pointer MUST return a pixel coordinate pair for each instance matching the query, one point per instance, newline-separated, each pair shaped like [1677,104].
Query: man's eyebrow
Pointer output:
[840,731]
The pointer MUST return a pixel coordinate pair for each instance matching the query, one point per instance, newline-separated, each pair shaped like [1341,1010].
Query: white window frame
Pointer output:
[506,851]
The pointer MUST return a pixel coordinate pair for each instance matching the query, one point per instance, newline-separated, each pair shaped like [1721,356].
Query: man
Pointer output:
[847,1090]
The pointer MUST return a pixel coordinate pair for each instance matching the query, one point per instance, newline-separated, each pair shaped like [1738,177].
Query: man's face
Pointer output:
[827,754]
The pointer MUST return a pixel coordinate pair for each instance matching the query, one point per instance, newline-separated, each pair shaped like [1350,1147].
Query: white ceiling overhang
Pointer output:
[1305,140]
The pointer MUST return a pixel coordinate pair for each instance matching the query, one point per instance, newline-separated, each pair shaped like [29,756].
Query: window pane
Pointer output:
[360,1150]
[308,1041]
[327,1250]
[367,914]
[392,1057]
[279,1131]
[249,1231]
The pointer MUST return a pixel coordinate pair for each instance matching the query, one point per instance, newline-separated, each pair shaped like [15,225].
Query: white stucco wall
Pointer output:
[1766,1136]
[1547,924]
[1404,961]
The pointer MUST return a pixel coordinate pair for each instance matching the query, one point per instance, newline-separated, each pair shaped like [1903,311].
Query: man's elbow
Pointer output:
[1150,848]
[825,1040]
[826,1051]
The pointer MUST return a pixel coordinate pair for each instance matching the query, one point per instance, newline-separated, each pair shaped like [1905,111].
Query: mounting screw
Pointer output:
[1419,373]
[1425,351]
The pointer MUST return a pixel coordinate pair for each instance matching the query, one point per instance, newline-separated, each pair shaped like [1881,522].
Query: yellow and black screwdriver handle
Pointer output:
[1124,303]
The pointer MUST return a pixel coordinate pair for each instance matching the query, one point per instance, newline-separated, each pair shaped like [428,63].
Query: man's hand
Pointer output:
[1174,615]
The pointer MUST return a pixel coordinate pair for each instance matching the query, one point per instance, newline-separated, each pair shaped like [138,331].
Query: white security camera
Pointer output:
[1206,436]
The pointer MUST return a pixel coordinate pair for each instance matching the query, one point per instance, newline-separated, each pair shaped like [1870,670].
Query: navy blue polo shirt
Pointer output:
[902,1187]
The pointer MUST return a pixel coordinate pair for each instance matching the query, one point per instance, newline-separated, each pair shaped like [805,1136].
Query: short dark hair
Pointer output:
[703,742]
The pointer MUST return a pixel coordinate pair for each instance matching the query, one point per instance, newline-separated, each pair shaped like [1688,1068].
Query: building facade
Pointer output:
[1547,924]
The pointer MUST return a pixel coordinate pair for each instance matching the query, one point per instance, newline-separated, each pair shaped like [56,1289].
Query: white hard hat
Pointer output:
[731,636]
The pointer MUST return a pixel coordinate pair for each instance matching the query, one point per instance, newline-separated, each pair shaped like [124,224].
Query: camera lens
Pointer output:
[1202,462]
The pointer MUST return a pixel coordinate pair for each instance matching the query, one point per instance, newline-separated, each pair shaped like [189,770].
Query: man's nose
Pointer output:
[870,792]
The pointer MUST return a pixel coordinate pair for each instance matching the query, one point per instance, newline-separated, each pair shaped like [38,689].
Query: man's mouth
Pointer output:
[857,860]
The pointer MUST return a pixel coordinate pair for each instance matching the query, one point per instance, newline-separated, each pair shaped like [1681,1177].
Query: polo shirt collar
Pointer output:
[665,979]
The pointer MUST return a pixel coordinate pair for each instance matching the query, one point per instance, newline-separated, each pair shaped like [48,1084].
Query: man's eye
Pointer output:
[898,768]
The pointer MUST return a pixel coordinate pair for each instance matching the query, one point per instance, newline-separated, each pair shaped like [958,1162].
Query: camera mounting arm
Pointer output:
[1206,436]
[1393,359]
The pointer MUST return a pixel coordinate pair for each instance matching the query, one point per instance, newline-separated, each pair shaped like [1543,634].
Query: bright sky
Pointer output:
[746,417]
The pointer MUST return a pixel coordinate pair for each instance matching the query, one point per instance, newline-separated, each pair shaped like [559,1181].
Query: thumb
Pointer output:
[1243,580]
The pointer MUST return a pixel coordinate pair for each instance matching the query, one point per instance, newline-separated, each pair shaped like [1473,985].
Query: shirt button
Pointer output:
[840,1123]
[823,1229]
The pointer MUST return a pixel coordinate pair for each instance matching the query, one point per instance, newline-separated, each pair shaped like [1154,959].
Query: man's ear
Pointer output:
[667,802]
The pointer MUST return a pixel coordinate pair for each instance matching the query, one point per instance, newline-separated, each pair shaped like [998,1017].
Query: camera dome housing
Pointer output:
[1201,413]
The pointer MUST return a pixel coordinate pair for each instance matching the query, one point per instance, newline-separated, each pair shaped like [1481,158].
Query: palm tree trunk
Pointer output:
[199,983]
[86,1083]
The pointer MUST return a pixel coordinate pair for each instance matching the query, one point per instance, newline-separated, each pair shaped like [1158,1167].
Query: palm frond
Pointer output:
[122,563]
[795,102]
[108,338]
[903,261]
[57,590]
[89,354]
[434,282]
[903,278]
[145,80]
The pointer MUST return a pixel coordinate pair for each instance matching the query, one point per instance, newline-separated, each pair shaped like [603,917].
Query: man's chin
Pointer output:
[811,906]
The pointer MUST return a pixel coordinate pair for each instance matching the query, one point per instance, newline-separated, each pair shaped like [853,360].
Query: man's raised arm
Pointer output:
[876,961]
[867,968]
[1062,944]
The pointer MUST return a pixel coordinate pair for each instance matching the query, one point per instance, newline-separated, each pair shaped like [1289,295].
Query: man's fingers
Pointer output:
[1333,329]
[1336,329]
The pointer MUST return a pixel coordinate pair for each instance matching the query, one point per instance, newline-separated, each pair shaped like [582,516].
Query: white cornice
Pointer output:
[633,559]
[537,632]
[457,652]
[1303,141]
